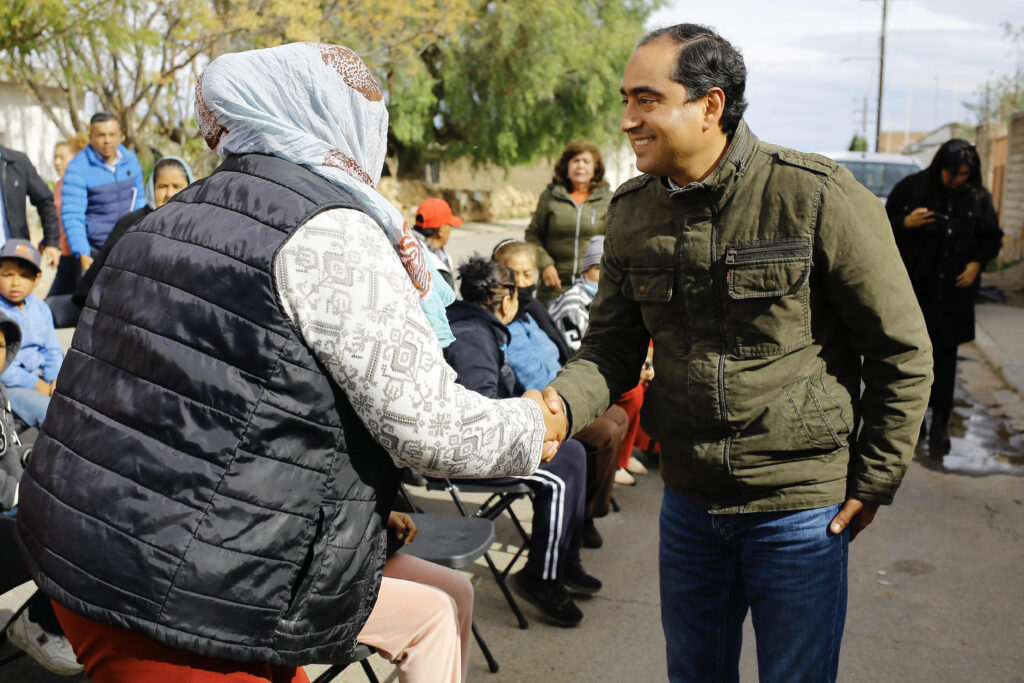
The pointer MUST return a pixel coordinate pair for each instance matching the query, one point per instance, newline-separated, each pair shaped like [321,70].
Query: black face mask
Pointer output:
[526,295]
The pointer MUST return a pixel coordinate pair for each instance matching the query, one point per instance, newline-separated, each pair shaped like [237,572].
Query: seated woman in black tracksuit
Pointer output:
[478,356]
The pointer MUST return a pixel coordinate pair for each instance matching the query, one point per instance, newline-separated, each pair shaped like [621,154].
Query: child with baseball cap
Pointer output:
[31,377]
[434,223]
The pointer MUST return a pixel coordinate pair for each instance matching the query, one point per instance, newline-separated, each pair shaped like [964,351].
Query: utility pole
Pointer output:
[881,77]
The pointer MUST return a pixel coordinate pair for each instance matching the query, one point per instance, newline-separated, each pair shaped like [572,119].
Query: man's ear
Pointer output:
[714,107]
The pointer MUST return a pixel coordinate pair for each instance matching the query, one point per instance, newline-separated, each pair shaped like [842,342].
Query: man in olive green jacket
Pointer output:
[772,288]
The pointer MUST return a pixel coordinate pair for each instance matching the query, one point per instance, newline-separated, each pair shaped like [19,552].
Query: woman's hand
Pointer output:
[550,277]
[918,217]
[556,425]
[966,278]
[403,526]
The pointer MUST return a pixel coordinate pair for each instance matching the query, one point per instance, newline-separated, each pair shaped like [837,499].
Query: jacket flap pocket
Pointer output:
[766,269]
[648,285]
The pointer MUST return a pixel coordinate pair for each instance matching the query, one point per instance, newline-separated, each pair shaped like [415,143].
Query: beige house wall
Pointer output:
[1013,198]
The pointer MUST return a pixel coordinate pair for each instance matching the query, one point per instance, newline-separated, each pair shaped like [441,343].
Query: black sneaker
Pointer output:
[578,580]
[550,597]
[590,536]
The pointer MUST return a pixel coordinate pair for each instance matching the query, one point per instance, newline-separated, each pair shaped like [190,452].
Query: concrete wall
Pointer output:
[619,165]
[1012,220]
[987,134]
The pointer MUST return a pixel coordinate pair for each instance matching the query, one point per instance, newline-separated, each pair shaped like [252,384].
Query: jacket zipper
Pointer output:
[796,247]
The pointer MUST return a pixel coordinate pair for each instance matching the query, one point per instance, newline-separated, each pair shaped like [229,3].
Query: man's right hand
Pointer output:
[918,217]
[550,277]
[556,425]
[85,260]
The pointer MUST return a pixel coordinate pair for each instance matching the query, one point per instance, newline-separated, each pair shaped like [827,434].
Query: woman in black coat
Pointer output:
[946,229]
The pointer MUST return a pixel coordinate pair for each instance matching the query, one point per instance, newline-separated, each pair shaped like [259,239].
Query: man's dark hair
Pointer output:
[707,60]
[102,117]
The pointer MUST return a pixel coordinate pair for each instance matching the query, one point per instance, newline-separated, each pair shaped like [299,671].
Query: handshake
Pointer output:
[556,424]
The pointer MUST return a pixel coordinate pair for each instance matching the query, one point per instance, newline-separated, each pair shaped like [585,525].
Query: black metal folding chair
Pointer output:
[500,497]
[453,542]
[360,654]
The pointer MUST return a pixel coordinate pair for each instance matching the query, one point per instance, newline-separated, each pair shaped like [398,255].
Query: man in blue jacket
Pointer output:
[102,183]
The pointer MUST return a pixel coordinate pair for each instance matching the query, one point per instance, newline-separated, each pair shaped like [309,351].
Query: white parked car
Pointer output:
[877,172]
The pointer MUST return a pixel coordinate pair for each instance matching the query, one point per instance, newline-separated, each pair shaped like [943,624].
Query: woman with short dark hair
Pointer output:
[947,230]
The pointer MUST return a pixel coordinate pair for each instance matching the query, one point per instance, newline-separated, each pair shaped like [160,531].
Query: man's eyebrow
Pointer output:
[642,90]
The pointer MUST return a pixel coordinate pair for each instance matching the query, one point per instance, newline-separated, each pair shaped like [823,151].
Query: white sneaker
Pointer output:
[624,478]
[634,466]
[52,652]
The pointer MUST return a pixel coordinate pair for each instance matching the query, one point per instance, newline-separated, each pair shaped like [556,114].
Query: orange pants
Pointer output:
[114,655]
[631,402]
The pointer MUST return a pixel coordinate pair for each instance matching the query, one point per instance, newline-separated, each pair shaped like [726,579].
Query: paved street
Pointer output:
[936,587]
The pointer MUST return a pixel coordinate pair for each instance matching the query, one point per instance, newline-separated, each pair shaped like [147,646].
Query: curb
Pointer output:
[1005,358]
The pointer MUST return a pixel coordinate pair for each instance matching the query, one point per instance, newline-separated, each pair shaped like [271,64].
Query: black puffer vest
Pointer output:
[199,478]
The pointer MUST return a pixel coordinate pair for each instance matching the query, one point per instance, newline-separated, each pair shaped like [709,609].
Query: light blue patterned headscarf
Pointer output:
[318,106]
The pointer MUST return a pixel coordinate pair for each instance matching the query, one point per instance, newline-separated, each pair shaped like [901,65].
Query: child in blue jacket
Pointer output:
[32,376]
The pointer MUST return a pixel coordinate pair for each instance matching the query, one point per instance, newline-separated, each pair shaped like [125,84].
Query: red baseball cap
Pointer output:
[434,212]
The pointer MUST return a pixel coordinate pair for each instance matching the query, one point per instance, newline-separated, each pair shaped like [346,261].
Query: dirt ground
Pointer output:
[1010,280]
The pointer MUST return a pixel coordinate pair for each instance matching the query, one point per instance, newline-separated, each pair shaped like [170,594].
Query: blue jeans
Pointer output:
[28,404]
[785,566]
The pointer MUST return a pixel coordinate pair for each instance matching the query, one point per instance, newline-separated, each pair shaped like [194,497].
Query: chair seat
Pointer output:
[450,541]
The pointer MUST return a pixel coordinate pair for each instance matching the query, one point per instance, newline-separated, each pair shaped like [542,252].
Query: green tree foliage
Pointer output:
[1005,94]
[527,77]
[500,81]
[859,143]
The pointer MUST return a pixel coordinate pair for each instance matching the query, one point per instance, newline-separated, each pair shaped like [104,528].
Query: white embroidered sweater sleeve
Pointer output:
[342,283]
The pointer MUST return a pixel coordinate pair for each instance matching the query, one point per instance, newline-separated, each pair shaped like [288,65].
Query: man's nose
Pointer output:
[630,120]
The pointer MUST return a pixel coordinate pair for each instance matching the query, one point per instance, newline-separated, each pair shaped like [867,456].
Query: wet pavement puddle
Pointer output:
[981,443]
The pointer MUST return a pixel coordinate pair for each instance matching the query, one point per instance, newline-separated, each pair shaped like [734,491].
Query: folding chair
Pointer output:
[500,498]
[453,542]
[360,654]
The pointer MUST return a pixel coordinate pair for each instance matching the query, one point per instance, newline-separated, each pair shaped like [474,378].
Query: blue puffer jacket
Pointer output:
[93,198]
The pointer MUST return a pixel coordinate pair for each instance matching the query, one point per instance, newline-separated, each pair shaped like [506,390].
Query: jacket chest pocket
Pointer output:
[767,310]
[652,289]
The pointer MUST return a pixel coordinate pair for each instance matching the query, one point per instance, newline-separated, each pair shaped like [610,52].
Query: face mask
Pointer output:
[526,295]
[590,287]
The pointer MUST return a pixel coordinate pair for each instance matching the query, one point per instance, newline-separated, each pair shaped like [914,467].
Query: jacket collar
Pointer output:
[730,168]
[560,192]
[96,160]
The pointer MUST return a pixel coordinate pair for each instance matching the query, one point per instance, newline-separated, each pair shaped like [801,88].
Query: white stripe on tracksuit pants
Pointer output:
[559,489]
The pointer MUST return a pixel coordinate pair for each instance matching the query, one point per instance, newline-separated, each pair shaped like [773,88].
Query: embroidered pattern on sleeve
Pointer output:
[341,281]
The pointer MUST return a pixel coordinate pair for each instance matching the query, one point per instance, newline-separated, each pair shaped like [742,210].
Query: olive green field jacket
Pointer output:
[561,229]
[773,290]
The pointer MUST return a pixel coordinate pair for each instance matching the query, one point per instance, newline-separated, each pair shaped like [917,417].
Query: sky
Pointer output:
[812,63]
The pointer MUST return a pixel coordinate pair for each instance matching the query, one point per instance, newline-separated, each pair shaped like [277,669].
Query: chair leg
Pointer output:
[492,509]
[499,578]
[615,505]
[368,670]
[492,663]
